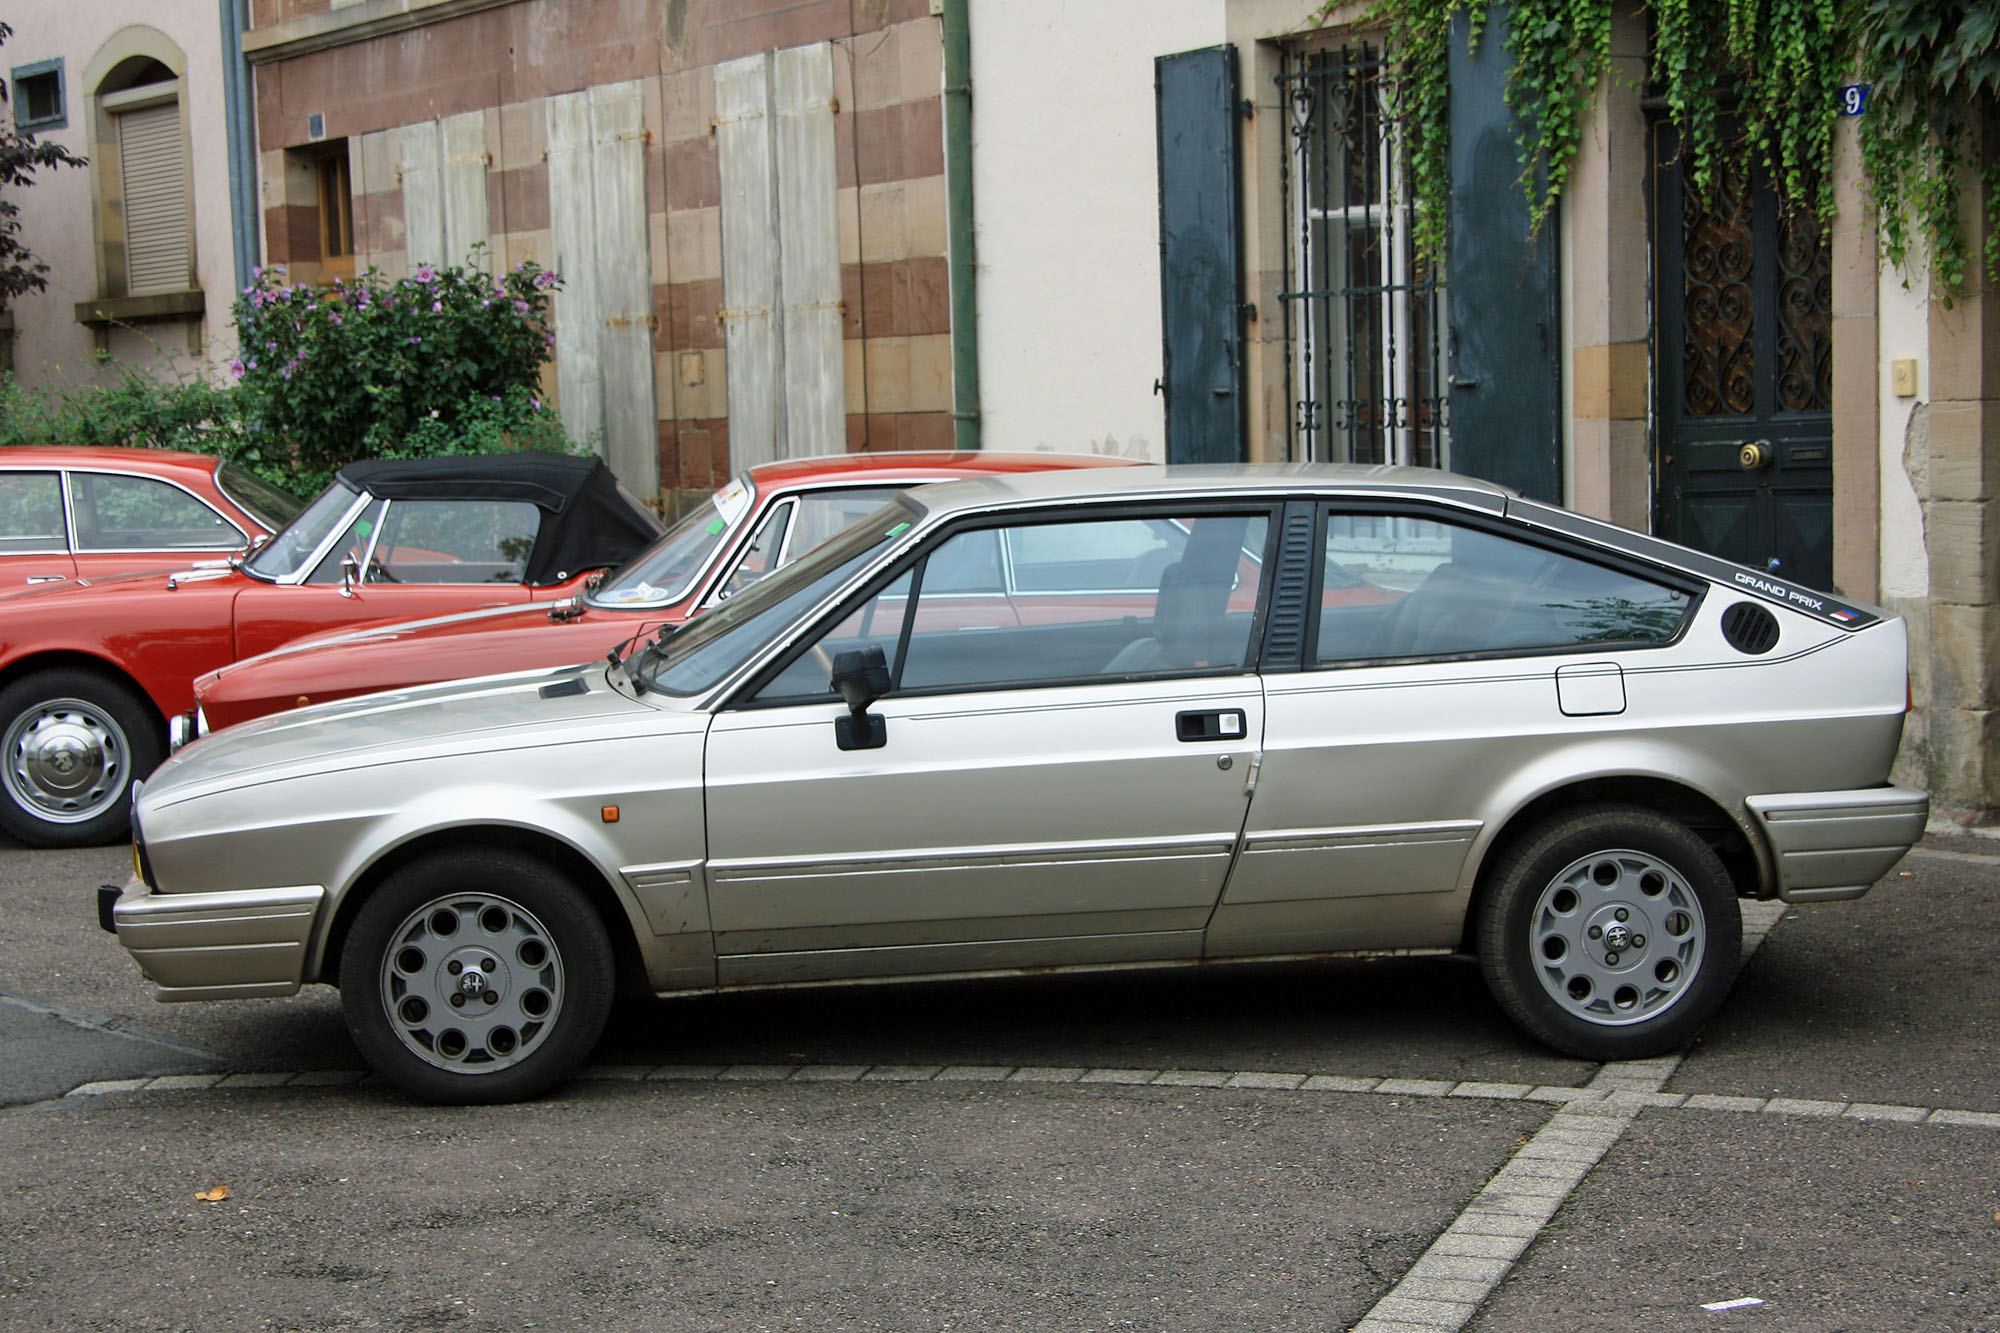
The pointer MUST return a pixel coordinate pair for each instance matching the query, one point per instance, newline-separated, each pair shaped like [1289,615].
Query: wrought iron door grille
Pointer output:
[1365,374]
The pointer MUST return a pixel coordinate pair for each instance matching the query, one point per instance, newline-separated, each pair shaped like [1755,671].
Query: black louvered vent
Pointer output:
[1750,628]
[1289,598]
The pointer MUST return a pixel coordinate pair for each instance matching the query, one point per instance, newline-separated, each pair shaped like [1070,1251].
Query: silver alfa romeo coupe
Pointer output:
[1065,720]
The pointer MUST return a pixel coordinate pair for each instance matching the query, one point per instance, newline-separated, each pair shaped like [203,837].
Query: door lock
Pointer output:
[1754,456]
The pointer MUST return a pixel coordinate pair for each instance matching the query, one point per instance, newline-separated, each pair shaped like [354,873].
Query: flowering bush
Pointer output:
[446,360]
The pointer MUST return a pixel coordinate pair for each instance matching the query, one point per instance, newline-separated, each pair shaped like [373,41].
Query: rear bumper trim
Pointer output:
[1830,845]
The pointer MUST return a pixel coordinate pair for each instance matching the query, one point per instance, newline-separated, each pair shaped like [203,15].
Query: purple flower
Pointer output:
[437,307]
[236,366]
[425,273]
[414,339]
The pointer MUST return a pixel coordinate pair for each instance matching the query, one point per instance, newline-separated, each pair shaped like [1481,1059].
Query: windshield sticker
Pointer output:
[899,529]
[639,592]
[733,502]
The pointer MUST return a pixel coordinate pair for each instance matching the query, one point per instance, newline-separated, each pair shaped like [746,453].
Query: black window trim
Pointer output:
[743,698]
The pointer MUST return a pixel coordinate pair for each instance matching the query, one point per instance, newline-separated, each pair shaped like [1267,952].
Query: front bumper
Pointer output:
[1828,845]
[236,944]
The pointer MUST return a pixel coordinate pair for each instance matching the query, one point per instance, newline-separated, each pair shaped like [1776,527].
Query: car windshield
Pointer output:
[665,571]
[269,505]
[697,656]
[287,553]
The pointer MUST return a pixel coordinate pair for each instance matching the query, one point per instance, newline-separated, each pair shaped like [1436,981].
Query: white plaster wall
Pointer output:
[1066,196]
[1903,328]
[51,349]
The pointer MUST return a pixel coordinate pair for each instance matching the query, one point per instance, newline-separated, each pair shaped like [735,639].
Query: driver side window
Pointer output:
[1052,602]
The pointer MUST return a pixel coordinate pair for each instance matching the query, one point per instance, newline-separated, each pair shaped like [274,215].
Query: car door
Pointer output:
[1480,650]
[1052,787]
[34,538]
[411,558]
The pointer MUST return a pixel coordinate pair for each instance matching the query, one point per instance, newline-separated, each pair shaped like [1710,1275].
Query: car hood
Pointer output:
[515,615]
[488,716]
[342,666]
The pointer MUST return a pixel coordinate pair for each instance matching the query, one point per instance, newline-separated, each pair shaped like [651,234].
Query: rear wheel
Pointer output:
[1610,933]
[476,976]
[71,743]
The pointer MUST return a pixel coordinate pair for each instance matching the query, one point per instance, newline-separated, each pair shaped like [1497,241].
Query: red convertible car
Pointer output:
[68,513]
[765,518]
[90,670]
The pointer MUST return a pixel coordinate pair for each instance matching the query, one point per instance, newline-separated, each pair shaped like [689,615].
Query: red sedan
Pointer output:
[91,669]
[765,518]
[68,513]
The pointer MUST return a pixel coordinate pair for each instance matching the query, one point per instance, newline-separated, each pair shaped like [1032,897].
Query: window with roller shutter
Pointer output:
[152,161]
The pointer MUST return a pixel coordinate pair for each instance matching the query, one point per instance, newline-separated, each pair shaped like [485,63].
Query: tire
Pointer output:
[71,743]
[1610,933]
[537,947]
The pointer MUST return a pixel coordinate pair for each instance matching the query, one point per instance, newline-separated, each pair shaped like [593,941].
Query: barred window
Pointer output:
[1363,311]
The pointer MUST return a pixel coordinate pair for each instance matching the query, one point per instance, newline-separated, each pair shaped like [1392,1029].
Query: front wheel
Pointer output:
[1610,933]
[476,977]
[71,743]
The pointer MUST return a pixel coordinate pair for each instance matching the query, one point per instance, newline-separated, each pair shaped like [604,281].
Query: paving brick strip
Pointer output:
[1449,1282]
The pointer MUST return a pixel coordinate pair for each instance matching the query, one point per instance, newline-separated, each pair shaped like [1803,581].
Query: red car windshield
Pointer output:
[666,571]
[286,554]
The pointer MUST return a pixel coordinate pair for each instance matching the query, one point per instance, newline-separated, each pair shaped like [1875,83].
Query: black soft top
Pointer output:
[587,520]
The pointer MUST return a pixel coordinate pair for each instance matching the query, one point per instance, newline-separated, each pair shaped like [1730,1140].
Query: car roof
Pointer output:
[545,479]
[922,465]
[122,458]
[1203,480]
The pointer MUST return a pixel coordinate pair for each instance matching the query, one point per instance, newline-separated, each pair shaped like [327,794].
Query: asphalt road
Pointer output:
[1285,1147]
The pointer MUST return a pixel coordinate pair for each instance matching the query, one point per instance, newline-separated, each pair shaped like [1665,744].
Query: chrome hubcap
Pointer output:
[65,761]
[1617,937]
[472,983]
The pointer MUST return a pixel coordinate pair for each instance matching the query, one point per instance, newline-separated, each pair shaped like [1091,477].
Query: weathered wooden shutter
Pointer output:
[749,257]
[152,165]
[597,228]
[809,252]
[780,255]
[444,190]
[1504,338]
[1201,282]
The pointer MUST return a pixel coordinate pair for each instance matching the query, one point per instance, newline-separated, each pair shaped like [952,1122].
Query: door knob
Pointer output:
[1754,456]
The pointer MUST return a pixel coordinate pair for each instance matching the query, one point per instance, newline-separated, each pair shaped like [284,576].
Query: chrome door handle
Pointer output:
[48,578]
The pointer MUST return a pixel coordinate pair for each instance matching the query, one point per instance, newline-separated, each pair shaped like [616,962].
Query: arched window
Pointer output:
[140,160]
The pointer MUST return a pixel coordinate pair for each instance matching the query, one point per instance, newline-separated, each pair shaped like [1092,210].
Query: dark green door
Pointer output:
[1743,367]
[1201,283]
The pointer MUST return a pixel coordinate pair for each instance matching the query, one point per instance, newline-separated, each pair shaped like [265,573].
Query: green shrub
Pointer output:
[447,360]
[135,409]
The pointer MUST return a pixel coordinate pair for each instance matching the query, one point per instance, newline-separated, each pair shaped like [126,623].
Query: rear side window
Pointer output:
[1398,586]
[117,513]
[31,513]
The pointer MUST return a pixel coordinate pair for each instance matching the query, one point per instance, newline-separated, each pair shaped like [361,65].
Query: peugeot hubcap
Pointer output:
[1617,937]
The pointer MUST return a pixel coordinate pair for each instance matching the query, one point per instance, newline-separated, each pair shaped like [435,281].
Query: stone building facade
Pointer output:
[746,202]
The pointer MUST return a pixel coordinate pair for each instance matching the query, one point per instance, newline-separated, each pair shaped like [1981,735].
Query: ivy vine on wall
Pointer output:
[1742,80]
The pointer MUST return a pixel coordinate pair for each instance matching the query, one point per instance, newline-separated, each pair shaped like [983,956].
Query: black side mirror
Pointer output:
[861,675]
